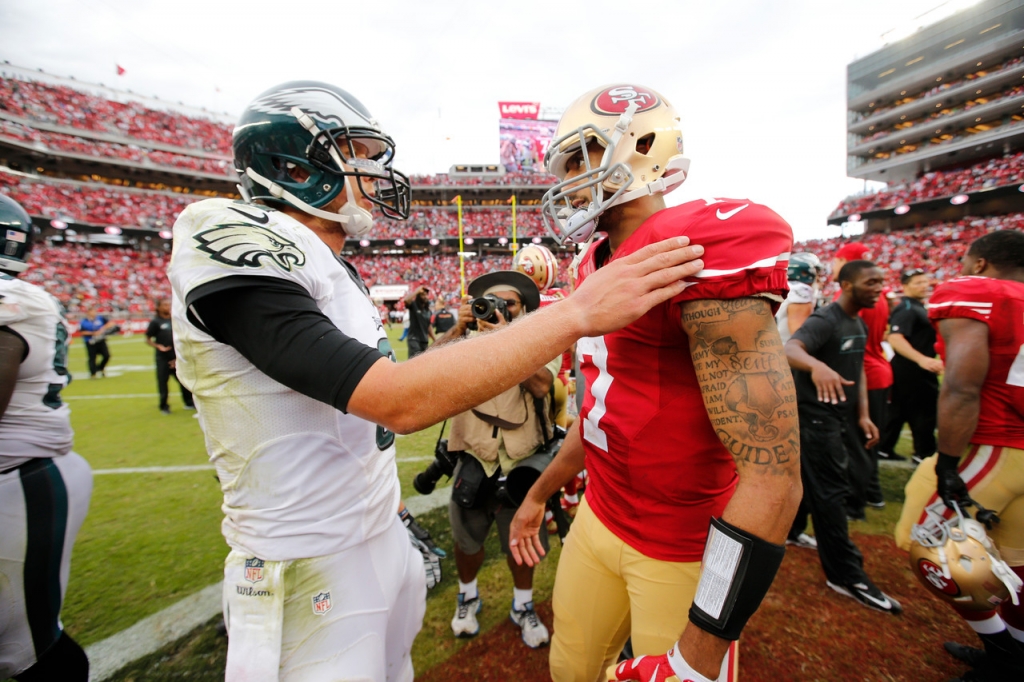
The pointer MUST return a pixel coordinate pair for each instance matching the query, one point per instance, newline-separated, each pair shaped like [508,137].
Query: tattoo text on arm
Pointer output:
[744,378]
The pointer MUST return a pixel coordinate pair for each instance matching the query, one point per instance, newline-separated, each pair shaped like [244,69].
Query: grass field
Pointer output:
[152,538]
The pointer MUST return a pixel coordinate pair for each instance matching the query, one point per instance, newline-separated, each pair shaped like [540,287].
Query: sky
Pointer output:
[760,84]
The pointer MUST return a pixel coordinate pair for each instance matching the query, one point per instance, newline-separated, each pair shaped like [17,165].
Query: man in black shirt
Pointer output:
[915,369]
[418,305]
[444,318]
[827,356]
[161,338]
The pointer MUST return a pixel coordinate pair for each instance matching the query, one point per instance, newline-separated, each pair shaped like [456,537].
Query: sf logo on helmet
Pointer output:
[614,100]
[933,574]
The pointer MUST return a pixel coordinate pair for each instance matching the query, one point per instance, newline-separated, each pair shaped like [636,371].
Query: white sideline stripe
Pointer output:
[154,470]
[201,467]
[152,633]
[110,396]
[165,627]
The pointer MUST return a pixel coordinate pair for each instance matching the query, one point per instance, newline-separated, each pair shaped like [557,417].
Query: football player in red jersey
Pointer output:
[980,317]
[689,416]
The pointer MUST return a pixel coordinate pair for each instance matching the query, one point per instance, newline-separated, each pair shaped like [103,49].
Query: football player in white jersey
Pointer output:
[299,398]
[44,486]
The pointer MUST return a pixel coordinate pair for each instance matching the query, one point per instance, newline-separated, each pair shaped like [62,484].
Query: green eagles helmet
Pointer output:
[314,126]
[804,267]
[15,236]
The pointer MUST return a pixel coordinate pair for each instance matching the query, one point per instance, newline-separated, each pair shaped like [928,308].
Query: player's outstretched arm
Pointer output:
[750,397]
[524,533]
[967,361]
[441,383]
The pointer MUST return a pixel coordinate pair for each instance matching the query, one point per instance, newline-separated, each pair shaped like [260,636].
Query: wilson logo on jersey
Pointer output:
[614,101]
[245,245]
[321,603]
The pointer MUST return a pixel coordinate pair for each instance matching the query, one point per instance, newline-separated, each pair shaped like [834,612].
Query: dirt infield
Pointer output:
[803,631]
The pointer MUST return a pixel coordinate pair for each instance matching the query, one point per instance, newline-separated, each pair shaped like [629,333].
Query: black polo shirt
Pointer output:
[910,318]
[838,340]
[443,321]
[419,321]
[159,330]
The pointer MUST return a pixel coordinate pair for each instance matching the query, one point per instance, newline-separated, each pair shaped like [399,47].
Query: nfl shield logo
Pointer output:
[254,570]
[321,603]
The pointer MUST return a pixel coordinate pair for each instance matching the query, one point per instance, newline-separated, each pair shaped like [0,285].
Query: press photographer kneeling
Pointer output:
[496,437]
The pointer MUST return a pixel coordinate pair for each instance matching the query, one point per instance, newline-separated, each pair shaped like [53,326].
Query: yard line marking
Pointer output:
[110,396]
[153,633]
[154,470]
[108,656]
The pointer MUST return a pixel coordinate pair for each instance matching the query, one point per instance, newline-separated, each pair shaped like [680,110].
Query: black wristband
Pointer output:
[946,462]
[736,572]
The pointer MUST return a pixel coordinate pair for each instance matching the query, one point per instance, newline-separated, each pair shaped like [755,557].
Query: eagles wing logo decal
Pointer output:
[316,102]
[244,245]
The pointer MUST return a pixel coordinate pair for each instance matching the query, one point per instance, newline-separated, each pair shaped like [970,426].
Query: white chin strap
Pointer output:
[11,265]
[355,219]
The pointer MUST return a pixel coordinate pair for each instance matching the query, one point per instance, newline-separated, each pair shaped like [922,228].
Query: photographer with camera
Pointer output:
[417,305]
[485,445]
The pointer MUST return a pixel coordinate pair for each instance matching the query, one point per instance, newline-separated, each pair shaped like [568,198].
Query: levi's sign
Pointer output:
[519,109]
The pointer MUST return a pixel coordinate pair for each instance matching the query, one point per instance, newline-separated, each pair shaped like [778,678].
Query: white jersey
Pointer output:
[36,423]
[300,478]
[798,293]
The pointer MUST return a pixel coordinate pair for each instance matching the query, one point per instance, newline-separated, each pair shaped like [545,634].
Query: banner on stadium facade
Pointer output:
[388,292]
[525,110]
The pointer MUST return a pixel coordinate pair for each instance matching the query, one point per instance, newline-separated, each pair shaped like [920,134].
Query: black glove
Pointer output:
[951,487]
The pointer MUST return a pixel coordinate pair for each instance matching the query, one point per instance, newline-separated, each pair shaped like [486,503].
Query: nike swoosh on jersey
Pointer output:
[262,219]
[729,214]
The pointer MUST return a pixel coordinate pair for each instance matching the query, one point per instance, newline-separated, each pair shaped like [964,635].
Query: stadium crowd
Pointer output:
[1006,170]
[67,106]
[94,203]
[111,150]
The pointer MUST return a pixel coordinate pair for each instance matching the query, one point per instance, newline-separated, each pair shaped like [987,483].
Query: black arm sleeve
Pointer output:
[277,326]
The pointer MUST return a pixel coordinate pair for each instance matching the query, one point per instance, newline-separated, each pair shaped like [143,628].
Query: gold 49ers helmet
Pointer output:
[957,562]
[643,154]
[538,263]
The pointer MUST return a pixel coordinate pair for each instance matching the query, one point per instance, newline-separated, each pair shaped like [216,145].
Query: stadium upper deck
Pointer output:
[951,93]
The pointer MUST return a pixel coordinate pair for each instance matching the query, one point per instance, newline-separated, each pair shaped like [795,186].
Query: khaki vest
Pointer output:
[510,418]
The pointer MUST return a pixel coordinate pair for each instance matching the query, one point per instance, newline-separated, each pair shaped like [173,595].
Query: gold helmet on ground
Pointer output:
[958,563]
[538,263]
[643,154]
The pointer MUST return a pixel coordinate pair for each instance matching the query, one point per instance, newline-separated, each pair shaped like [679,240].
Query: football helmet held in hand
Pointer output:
[298,143]
[642,139]
[957,562]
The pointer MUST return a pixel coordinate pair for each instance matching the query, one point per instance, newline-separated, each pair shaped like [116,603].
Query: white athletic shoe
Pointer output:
[803,540]
[464,624]
[534,633]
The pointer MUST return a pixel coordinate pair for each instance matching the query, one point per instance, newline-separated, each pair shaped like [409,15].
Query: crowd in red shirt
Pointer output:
[67,106]
[1008,170]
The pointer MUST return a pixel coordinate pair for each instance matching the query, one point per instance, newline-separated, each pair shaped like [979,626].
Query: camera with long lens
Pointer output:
[443,465]
[486,308]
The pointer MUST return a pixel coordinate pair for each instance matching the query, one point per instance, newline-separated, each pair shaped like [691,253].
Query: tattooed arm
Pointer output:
[750,398]
[749,395]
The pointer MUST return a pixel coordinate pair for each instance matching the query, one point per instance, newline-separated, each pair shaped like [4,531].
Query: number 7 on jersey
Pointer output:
[594,347]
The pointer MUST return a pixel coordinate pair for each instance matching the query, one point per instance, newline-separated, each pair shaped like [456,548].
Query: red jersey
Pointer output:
[999,303]
[877,369]
[658,472]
